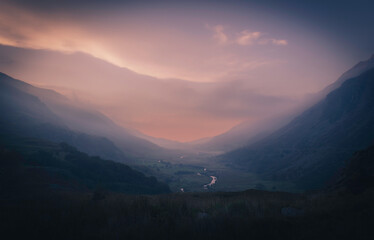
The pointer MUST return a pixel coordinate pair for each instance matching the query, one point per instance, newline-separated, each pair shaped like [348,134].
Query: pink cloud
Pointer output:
[218,33]
[248,38]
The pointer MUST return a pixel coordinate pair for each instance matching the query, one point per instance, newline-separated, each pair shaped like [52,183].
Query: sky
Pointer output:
[184,70]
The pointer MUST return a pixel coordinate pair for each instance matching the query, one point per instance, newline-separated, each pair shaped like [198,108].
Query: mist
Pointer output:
[171,76]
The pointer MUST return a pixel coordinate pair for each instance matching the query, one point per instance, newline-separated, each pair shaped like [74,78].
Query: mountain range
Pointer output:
[248,132]
[48,143]
[314,145]
[40,112]
[307,150]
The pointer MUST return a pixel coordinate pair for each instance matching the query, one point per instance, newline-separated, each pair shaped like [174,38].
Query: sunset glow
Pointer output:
[167,74]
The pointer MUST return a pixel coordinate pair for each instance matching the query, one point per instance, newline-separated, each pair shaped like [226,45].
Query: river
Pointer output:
[214,180]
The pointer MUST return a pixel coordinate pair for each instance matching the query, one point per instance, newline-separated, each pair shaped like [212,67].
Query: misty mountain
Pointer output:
[84,119]
[164,107]
[27,116]
[355,71]
[248,132]
[311,148]
[162,142]
[243,134]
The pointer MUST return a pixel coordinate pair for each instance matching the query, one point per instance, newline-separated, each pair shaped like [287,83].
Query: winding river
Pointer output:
[214,180]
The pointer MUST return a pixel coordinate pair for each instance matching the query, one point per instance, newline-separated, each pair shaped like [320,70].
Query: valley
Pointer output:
[47,115]
[186,120]
[193,172]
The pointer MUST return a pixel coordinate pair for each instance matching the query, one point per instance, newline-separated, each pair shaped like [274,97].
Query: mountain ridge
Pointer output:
[88,121]
[247,133]
[318,141]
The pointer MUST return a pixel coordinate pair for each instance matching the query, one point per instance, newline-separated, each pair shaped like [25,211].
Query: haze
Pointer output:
[175,71]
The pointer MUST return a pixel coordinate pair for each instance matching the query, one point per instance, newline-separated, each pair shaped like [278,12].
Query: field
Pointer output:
[193,172]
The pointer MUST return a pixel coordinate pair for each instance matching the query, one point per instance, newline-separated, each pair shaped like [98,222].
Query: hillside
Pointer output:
[29,166]
[247,132]
[312,147]
[358,175]
[43,113]
[27,116]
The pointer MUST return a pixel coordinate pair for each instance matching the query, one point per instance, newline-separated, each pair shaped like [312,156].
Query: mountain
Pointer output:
[355,71]
[27,116]
[358,175]
[32,165]
[242,135]
[134,100]
[310,149]
[248,132]
[32,154]
[50,112]
[82,118]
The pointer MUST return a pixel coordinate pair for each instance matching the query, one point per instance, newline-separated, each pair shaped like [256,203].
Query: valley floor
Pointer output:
[192,172]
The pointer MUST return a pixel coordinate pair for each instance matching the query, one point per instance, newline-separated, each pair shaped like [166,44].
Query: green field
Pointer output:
[188,173]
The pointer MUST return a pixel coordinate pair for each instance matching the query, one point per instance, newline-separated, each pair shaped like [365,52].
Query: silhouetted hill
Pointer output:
[311,148]
[25,115]
[358,175]
[247,132]
[43,113]
[31,165]
[355,71]
[251,214]
[84,119]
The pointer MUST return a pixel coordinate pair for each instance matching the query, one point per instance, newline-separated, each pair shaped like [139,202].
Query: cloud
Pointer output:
[174,109]
[171,53]
[243,38]
[47,6]
[248,38]
[279,42]
[231,74]
[218,33]
[143,43]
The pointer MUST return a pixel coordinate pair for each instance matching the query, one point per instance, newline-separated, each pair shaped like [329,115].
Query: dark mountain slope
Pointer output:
[355,71]
[247,133]
[314,145]
[88,121]
[25,115]
[358,175]
[31,165]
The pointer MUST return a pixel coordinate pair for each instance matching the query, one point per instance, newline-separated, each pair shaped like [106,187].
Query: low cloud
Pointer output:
[244,38]
[219,34]
[174,109]
[232,75]
[248,38]
[279,42]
